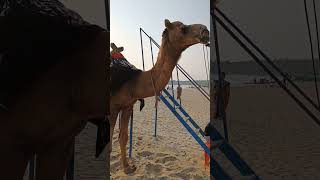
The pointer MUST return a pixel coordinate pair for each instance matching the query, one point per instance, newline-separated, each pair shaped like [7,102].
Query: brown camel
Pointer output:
[46,117]
[175,39]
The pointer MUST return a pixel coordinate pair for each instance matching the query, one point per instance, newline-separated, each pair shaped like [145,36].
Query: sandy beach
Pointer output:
[275,137]
[273,134]
[174,154]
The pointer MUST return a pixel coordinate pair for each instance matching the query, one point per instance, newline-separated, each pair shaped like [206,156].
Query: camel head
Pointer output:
[184,36]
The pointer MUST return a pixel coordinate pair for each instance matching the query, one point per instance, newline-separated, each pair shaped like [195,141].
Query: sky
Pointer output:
[278,27]
[128,16]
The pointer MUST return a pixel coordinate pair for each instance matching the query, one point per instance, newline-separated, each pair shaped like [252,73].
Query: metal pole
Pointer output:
[220,99]
[313,117]
[155,122]
[312,53]
[107,12]
[142,48]
[172,90]
[205,93]
[317,29]
[156,110]
[267,58]
[151,52]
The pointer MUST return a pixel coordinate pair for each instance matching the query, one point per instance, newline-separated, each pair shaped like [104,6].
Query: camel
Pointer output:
[45,117]
[115,56]
[175,39]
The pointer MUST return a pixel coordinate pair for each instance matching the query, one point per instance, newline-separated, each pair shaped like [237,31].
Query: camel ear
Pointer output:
[168,24]
[113,46]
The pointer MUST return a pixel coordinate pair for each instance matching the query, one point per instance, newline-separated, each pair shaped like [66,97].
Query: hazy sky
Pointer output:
[278,27]
[128,16]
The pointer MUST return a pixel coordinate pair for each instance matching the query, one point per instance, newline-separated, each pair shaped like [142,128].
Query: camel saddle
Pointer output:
[121,72]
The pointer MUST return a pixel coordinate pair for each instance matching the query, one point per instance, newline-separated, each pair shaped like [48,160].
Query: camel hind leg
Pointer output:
[123,135]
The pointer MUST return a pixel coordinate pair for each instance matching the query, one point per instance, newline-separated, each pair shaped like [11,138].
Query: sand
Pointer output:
[275,137]
[273,134]
[174,154]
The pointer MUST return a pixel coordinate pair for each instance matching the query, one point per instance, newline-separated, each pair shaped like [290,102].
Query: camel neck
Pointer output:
[167,59]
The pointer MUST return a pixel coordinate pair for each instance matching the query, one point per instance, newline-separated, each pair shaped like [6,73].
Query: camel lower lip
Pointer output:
[204,42]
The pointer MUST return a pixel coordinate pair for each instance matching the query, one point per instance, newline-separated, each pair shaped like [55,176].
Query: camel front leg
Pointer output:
[52,162]
[112,122]
[124,139]
[13,162]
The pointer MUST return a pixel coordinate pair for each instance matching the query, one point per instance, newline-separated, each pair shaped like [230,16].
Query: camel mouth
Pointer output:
[204,38]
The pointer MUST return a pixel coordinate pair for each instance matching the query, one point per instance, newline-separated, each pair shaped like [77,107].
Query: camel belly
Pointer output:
[35,130]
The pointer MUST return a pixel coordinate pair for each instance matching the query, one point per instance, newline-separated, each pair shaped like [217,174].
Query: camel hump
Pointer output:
[24,59]
[54,8]
[121,72]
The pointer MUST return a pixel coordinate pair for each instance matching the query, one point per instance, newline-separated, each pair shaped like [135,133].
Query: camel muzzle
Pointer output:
[204,38]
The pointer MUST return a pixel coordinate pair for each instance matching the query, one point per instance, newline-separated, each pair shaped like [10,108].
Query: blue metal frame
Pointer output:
[232,154]
[215,169]
[176,104]
[184,123]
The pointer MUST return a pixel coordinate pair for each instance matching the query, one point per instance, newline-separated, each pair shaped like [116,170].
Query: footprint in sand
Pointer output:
[185,174]
[153,168]
[145,154]
[180,175]
[144,177]
[198,177]
[188,170]
[161,154]
[166,159]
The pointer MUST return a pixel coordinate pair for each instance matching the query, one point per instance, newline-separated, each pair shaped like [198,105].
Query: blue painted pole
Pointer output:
[185,124]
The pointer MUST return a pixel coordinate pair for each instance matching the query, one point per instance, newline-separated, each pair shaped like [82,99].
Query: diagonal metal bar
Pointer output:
[182,70]
[267,58]
[311,49]
[311,115]
[220,97]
